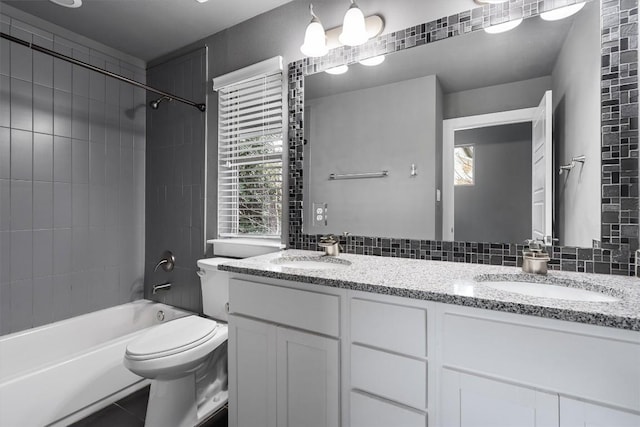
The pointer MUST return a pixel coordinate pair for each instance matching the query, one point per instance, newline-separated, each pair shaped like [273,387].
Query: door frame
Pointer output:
[449,128]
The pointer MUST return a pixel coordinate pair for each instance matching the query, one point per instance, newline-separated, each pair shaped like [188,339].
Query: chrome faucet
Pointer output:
[330,244]
[535,258]
[162,287]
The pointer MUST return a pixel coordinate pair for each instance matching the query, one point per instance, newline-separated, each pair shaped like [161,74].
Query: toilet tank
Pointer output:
[215,288]
[215,283]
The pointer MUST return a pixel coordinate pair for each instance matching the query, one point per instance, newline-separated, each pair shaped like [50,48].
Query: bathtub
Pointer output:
[59,373]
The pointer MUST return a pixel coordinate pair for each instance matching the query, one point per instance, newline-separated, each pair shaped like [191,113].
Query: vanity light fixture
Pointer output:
[202,1]
[373,61]
[353,32]
[562,12]
[341,69]
[503,27]
[315,39]
[68,3]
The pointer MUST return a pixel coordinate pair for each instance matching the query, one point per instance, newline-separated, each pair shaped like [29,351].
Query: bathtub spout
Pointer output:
[163,287]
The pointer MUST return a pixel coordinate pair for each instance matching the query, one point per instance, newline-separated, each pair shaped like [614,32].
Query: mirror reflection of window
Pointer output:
[463,170]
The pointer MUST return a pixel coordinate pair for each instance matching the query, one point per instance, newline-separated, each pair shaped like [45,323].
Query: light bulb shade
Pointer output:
[505,26]
[340,69]
[68,3]
[373,61]
[315,42]
[562,12]
[354,32]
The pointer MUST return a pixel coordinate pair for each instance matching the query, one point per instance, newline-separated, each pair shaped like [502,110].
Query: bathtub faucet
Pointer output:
[163,287]
[167,262]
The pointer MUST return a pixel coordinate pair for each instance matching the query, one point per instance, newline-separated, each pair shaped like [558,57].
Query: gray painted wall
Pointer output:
[381,128]
[497,208]
[72,147]
[175,180]
[576,83]
[493,99]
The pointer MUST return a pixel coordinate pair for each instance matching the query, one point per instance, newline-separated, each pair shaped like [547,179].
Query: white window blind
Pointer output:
[250,144]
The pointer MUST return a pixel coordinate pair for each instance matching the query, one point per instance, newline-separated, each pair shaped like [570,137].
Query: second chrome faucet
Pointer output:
[535,257]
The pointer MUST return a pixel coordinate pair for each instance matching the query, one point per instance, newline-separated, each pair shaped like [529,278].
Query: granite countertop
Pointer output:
[457,283]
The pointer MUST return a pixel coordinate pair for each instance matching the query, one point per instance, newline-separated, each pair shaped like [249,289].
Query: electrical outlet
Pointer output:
[319,214]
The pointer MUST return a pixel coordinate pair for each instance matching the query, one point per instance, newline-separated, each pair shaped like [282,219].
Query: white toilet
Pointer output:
[187,358]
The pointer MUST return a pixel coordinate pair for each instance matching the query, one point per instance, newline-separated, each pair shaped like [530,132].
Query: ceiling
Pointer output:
[147,29]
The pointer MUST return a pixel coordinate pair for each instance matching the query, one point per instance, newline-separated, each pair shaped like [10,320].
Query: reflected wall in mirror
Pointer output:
[391,117]
[615,142]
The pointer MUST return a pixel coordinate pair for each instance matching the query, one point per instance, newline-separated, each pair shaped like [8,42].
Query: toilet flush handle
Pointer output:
[201,273]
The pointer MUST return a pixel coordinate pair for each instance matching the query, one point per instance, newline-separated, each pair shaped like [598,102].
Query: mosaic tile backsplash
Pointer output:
[619,176]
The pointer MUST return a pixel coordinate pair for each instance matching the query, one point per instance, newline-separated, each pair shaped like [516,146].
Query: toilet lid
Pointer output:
[172,337]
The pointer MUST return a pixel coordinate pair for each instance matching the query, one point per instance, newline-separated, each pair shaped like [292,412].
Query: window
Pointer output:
[463,165]
[250,144]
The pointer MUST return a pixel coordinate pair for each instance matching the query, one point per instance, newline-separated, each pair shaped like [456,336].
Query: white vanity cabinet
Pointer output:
[308,355]
[284,356]
[501,369]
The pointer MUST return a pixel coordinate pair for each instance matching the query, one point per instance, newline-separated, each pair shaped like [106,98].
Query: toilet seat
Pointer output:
[171,338]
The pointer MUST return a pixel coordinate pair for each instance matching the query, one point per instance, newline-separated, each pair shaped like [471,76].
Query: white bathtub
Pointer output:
[59,373]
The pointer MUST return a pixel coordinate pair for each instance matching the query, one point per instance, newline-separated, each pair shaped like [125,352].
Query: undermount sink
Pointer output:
[546,290]
[312,263]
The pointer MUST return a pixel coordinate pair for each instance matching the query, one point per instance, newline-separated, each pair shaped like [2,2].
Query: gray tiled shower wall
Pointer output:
[72,153]
[175,179]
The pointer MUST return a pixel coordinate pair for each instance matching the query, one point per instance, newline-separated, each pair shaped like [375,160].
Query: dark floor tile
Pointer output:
[220,419]
[131,412]
[136,403]
[110,416]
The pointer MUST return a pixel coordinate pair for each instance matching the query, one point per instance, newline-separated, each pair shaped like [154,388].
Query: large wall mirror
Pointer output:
[474,138]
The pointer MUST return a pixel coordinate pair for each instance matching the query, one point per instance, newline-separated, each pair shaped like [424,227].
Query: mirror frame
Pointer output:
[619,142]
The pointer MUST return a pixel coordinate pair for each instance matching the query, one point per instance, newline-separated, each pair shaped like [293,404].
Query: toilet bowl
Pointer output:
[172,354]
[186,358]
[177,348]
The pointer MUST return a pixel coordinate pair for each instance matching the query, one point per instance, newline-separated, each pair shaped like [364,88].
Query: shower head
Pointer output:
[155,103]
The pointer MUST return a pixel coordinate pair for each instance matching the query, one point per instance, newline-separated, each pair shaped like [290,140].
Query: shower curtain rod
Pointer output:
[201,107]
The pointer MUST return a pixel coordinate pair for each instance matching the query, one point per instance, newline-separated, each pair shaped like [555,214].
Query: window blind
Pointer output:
[250,144]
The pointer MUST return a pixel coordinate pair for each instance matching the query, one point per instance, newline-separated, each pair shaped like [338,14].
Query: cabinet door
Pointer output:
[252,373]
[574,413]
[470,401]
[308,386]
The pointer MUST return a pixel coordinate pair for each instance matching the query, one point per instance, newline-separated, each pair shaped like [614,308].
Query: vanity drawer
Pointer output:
[398,378]
[306,310]
[367,411]
[392,327]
